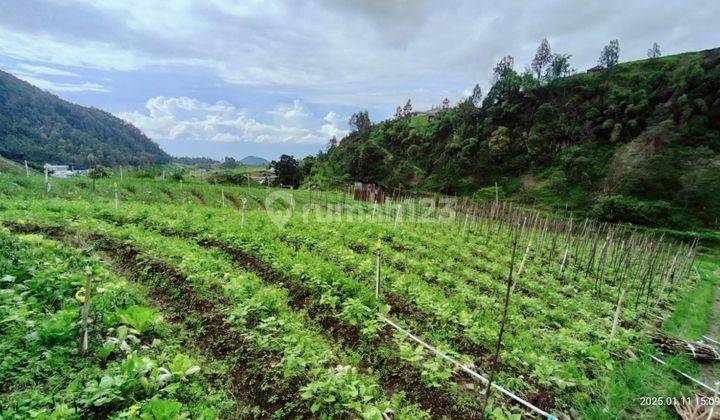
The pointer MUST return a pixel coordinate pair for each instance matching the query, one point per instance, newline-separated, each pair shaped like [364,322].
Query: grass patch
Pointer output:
[691,318]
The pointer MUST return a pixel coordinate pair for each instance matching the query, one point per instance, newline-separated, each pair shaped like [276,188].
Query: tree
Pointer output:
[476,96]
[503,68]
[407,109]
[559,67]
[610,54]
[360,121]
[398,112]
[287,171]
[654,52]
[446,103]
[230,163]
[543,58]
[507,82]
[499,143]
[96,173]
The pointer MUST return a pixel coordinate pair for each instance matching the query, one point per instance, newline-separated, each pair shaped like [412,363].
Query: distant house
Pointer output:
[595,69]
[63,171]
[366,191]
[58,171]
[265,177]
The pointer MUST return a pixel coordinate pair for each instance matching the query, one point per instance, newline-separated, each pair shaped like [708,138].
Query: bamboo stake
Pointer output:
[397,216]
[377,271]
[498,343]
[617,314]
[522,263]
[85,313]
[244,202]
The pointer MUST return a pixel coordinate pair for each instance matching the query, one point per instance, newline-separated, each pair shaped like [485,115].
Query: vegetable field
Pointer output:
[225,301]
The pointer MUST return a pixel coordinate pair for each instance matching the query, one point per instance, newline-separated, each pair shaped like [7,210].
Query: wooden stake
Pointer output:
[522,263]
[244,202]
[377,272]
[27,171]
[117,198]
[222,194]
[85,313]
[617,314]
[397,216]
[498,343]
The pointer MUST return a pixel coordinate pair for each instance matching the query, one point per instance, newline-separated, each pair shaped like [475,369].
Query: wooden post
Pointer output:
[498,343]
[562,266]
[617,314]
[121,173]
[182,194]
[397,216]
[222,193]
[85,313]
[162,175]
[372,218]
[117,198]
[244,202]
[27,171]
[522,263]
[497,194]
[377,271]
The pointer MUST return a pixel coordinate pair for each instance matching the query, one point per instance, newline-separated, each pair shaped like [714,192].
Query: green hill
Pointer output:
[40,127]
[254,161]
[10,167]
[639,142]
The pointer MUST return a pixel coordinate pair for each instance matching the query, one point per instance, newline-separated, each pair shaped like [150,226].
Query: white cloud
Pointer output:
[44,70]
[62,87]
[295,111]
[184,118]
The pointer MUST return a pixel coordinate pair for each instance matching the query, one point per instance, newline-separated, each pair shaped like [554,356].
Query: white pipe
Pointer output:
[662,362]
[469,371]
[710,339]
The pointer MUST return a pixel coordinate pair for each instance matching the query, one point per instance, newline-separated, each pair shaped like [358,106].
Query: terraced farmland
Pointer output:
[228,301]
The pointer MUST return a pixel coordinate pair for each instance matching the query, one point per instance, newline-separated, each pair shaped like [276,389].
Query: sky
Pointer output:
[235,78]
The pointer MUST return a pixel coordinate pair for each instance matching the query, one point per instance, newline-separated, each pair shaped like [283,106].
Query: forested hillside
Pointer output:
[40,127]
[636,142]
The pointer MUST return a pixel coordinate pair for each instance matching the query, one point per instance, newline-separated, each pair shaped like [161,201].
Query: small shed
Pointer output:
[367,191]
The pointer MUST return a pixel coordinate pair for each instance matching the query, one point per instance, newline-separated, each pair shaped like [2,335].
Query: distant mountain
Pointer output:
[37,126]
[254,161]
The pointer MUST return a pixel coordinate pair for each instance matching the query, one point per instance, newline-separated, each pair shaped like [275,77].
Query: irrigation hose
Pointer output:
[469,371]
[664,363]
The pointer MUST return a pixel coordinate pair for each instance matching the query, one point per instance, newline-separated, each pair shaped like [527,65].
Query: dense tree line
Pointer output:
[637,142]
[40,127]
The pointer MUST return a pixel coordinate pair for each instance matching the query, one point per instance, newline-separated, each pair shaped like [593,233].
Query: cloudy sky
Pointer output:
[223,77]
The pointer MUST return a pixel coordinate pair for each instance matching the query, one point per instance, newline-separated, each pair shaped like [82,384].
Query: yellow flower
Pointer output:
[80,295]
